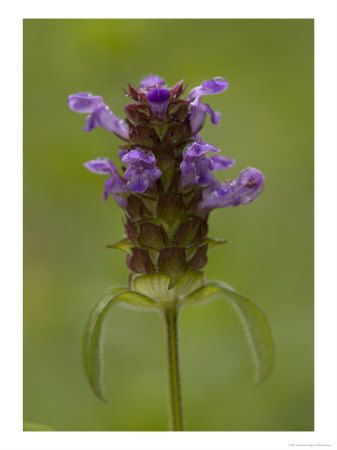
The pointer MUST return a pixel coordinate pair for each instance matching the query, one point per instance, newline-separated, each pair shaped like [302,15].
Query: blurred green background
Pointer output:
[267,123]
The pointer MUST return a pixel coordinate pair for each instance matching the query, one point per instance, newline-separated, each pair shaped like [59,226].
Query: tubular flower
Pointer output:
[199,110]
[241,191]
[142,172]
[100,114]
[197,168]
[168,186]
[115,184]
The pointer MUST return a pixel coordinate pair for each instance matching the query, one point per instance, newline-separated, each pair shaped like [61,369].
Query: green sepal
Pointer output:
[214,242]
[32,426]
[252,318]
[92,336]
[124,245]
[157,286]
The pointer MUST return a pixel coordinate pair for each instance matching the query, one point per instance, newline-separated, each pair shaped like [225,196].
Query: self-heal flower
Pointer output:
[151,80]
[142,171]
[115,184]
[199,109]
[158,100]
[197,168]
[241,191]
[167,190]
[100,114]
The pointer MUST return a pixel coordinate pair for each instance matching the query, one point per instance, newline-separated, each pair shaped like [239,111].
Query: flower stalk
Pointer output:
[175,400]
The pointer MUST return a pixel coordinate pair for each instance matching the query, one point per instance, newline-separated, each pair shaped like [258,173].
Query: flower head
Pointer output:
[142,171]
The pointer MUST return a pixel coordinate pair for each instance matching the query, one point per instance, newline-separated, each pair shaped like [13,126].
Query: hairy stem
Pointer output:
[176,417]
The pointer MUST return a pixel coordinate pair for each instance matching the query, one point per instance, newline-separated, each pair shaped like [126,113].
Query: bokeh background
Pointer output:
[267,123]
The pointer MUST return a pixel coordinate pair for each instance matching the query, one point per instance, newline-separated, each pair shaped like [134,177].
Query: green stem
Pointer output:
[171,320]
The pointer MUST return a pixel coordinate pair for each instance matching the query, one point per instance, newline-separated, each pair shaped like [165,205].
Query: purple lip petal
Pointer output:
[151,80]
[138,183]
[84,102]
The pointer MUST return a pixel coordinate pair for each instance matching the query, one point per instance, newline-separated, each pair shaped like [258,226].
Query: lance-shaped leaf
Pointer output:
[124,245]
[252,318]
[92,337]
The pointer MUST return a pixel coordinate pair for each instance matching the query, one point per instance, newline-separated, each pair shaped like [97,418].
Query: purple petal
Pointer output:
[122,152]
[151,80]
[158,100]
[197,115]
[249,184]
[84,102]
[209,87]
[138,184]
[106,119]
[241,191]
[215,115]
[200,148]
[114,185]
[101,166]
[188,174]
[138,155]
[221,162]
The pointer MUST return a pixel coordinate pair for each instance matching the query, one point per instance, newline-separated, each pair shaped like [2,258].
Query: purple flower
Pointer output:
[198,109]
[241,191]
[142,171]
[152,80]
[100,114]
[115,184]
[196,167]
[158,100]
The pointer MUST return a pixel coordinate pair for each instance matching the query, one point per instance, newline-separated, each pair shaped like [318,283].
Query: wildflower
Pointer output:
[241,191]
[199,109]
[142,172]
[198,168]
[167,190]
[100,114]
[115,185]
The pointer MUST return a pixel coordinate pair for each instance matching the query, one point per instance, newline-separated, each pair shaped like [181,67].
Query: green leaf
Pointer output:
[252,318]
[92,337]
[124,245]
[157,285]
[214,242]
[31,426]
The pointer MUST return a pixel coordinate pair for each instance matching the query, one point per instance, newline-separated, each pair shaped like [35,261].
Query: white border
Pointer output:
[324,12]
